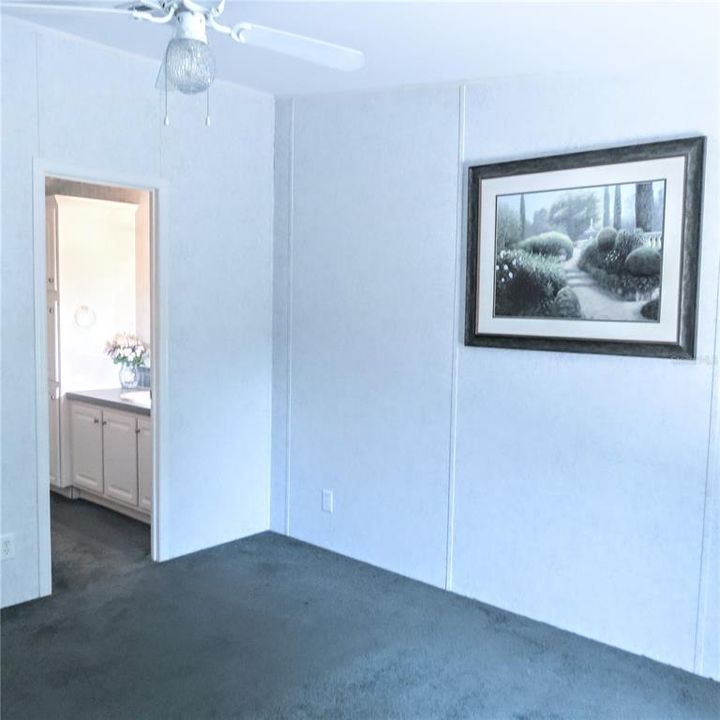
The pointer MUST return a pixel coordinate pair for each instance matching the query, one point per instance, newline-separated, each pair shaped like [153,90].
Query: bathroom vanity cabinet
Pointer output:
[111,456]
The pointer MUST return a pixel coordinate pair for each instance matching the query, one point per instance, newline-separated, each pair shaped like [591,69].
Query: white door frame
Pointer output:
[43,168]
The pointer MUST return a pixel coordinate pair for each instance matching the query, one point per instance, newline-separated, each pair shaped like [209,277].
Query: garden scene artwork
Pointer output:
[595,251]
[587,253]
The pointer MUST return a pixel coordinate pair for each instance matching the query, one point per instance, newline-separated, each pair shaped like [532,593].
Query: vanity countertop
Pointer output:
[110,397]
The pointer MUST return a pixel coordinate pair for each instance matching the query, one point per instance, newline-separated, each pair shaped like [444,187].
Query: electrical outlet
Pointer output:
[7,547]
[327,501]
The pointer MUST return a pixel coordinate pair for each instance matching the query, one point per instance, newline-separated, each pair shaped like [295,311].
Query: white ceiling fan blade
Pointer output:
[299,46]
[61,7]
[142,5]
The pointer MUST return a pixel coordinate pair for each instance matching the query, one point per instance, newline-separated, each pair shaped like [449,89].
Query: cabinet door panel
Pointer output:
[52,338]
[51,220]
[120,456]
[55,478]
[87,447]
[144,446]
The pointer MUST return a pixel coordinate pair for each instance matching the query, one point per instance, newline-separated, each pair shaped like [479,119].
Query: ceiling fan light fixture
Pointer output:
[190,65]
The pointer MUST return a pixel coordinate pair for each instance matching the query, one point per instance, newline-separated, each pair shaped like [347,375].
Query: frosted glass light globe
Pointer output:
[189,64]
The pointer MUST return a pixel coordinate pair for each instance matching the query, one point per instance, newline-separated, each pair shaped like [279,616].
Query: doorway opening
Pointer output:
[99,242]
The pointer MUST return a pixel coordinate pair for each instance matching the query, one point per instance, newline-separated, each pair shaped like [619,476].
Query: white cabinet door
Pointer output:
[53,333]
[55,478]
[51,227]
[145,467]
[87,447]
[120,456]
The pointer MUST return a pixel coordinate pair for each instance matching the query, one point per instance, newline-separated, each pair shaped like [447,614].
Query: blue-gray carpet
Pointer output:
[268,627]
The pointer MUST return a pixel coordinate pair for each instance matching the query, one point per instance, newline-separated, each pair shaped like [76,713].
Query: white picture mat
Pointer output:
[672,170]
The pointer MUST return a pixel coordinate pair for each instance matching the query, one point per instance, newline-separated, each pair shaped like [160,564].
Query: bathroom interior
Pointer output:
[99,315]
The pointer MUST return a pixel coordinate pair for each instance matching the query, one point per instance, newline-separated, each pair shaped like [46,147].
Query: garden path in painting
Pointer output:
[593,299]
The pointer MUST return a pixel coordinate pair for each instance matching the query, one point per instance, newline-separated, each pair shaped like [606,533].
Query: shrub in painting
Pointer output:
[651,309]
[549,243]
[606,239]
[527,283]
[629,270]
[626,242]
[566,304]
[644,261]
[590,256]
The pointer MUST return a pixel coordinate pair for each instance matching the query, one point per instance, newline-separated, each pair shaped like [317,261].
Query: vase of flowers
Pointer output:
[128,352]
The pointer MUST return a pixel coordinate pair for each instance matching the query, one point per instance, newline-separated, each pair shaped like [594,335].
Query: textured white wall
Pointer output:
[577,483]
[371,324]
[75,103]
[580,487]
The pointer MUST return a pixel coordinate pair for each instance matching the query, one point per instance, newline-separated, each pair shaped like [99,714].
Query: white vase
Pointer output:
[128,377]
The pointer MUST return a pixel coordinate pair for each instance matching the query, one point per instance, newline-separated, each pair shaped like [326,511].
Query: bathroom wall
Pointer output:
[143,227]
[96,258]
[143,270]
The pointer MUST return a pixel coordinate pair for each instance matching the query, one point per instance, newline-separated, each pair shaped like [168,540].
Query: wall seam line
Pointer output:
[711,472]
[35,230]
[289,318]
[271,388]
[703,589]
[37,93]
[450,539]
[159,522]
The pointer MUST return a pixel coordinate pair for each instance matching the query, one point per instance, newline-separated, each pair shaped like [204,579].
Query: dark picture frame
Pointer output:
[481,318]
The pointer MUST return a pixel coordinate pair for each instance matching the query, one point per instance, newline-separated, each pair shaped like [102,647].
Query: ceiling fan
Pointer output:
[188,64]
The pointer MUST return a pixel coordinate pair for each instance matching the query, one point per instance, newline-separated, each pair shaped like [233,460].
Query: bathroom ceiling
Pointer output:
[408,43]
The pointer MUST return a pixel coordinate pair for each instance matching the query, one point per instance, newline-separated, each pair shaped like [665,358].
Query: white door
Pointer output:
[120,456]
[144,449]
[87,446]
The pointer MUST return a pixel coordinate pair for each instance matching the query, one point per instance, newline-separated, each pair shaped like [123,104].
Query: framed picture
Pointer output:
[590,252]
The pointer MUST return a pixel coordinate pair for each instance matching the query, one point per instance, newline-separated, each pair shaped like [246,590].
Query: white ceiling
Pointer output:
[422,42]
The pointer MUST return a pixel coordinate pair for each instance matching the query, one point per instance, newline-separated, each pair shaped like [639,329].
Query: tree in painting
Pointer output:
[573,213]
[606,207]
[644,203]
[507,226]
[540,222]
[659,208]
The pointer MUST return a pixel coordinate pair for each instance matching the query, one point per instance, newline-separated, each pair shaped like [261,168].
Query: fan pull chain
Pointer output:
[207,99]
[166,121]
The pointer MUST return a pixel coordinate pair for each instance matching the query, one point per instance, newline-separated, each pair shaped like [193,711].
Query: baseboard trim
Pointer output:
[112,505]
[66,492]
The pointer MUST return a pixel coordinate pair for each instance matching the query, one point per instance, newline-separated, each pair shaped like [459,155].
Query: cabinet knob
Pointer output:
[96,421]
[104,422]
